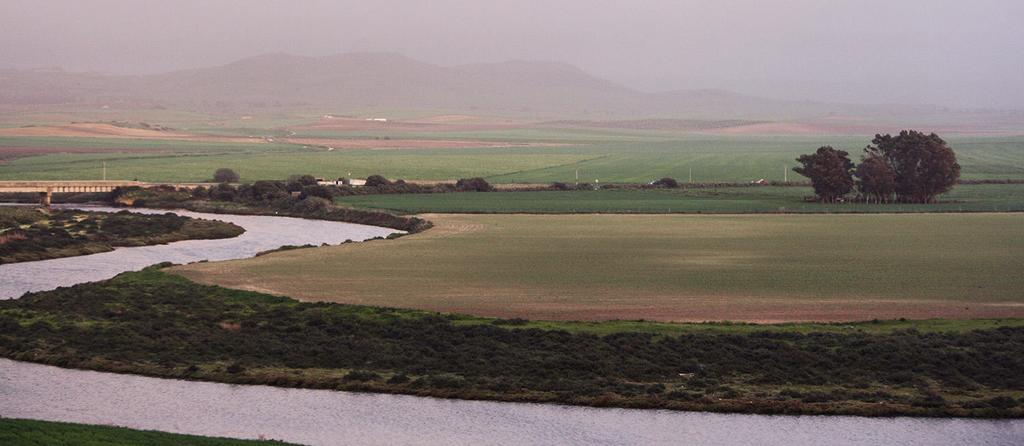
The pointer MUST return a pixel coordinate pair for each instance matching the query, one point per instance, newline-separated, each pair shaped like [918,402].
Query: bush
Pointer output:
[225,175]
[312,205]
[223,192]
[295,183]
[1003,402]
[265,191]
[447,381]
[667,182]
[317,190]
[513,321]
[475,184]
[400,378]
[377,181]
[361,376]
[929,400]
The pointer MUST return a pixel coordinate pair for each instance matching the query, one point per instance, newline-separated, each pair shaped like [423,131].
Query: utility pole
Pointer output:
[785,174]
[577,176]
[104,171]
[691,175]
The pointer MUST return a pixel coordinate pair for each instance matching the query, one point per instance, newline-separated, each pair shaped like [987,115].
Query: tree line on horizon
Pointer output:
[911,167]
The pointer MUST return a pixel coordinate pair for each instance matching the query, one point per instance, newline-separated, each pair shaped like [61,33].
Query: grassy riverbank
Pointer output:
[28,234]
[157,324]
[314,208]
[755,268]
[17,432]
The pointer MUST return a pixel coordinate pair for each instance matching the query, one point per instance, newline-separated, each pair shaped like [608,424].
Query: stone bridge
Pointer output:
[46,189]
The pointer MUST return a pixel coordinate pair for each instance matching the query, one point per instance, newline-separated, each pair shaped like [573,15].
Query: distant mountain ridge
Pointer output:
[393,81]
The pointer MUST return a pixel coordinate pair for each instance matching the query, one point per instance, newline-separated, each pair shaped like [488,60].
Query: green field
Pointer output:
[17,432]
[666,267]
[766,199]
[432,164]
[602,155]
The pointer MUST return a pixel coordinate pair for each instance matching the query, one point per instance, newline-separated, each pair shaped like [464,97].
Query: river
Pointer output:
[323,417]
[261,234]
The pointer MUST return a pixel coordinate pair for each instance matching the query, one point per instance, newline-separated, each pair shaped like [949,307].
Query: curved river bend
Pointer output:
[261,234]
[323,417]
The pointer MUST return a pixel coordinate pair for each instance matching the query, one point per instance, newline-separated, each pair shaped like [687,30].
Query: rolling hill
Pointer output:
[393,81]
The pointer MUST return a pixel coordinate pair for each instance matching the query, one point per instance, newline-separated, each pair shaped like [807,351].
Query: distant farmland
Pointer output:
[668,268]
[536,155]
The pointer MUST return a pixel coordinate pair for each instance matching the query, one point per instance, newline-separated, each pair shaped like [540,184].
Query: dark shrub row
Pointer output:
[265,198]
[153,318]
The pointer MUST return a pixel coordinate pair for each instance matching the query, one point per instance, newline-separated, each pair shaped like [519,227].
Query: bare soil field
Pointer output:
[651,124]
[103,130]
[851,126]
[406,144]
[10,153]
[439,123]
[766,268]
[838,125]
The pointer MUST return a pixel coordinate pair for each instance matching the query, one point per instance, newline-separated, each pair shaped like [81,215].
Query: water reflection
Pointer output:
[323,417]
[261,234]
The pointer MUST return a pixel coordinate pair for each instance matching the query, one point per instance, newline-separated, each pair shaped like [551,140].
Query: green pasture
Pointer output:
[441,165]
[760,199]
[601,156]
[666,267]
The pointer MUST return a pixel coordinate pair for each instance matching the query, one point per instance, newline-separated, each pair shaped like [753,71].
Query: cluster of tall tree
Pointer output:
[911,167]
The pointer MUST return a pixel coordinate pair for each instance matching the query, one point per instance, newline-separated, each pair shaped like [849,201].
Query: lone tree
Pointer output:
[830,171]
[225,175]
[876,180]
[924,166]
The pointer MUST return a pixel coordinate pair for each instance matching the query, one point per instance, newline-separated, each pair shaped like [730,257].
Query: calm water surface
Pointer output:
[323,417]
[261,234]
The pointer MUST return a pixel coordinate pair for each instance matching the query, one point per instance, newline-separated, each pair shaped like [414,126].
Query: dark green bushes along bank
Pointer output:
[15,432]
[157,324]
[31,234]
[264,198]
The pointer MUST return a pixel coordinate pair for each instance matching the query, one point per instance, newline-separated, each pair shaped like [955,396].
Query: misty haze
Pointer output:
[945,53]
[655,222]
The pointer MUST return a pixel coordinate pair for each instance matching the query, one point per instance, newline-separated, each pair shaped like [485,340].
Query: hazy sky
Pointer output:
[961,53]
